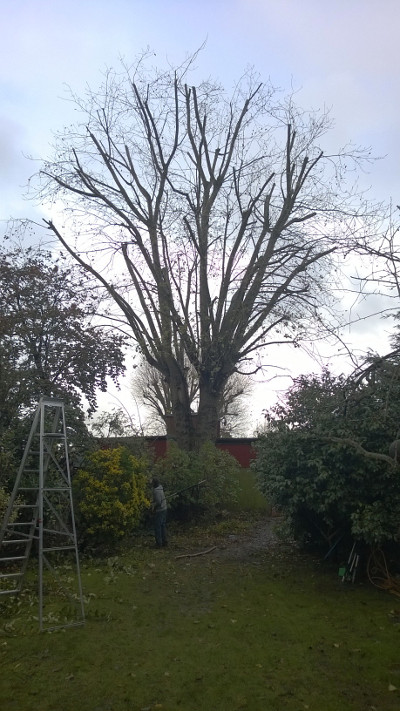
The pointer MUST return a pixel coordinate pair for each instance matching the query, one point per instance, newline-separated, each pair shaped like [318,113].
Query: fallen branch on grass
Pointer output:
[193,555]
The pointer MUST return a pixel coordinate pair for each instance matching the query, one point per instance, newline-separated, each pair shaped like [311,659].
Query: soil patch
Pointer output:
[260,540]
[255,542]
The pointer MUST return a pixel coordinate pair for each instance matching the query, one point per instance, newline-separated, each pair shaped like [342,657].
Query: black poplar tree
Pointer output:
[211,220]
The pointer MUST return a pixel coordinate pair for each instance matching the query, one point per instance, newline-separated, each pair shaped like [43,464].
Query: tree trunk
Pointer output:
[181,428]
[207,428]
[191,430]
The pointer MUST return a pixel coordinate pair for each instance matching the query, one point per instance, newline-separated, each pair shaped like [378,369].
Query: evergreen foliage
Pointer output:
[181,470]
[324,459]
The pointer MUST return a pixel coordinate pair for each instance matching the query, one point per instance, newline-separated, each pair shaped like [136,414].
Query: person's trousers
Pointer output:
[160,527]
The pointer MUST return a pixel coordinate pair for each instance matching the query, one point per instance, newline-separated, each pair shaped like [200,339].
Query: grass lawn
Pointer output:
[268,631]
[250,497]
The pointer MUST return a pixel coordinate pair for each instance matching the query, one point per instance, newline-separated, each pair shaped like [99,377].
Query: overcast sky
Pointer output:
[340,54]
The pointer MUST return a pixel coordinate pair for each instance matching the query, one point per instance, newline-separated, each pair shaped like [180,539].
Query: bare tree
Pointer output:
[114,423]
[234,408]
[151,389]
[383,261]
[220,216]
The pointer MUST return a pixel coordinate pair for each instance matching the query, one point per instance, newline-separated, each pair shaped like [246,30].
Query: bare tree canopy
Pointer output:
[150,388]
[211,219]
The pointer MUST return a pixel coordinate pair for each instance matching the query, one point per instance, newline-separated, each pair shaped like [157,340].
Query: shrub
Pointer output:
[179,470]
[111,494]
[8,459]
[321,461]
[4,499]
[328,490]
[4,502]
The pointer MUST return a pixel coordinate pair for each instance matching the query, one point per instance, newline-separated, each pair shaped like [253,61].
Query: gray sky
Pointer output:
[341,54]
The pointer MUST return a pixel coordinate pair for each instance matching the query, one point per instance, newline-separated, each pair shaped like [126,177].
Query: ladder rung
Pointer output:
[27,506]
[56,488]
[28,488]
[58,435]
[58,533]
[59,548]
[22,523]
[26,537]
[10,575]
[15,557]
[9,592]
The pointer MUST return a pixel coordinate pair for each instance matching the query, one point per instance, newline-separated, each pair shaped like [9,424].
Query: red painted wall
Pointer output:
[241,448]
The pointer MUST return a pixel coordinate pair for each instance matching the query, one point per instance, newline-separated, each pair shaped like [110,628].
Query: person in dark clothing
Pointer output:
[160,514]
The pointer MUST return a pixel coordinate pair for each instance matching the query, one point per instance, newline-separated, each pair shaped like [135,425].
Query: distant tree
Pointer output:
[234,410]
[382,273]
[114,423]
[220,213]
[151,389]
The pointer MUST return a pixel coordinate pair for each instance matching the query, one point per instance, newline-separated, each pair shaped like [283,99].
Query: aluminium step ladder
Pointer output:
[40,520]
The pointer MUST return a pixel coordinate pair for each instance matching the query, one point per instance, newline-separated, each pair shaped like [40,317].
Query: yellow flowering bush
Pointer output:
[111,494]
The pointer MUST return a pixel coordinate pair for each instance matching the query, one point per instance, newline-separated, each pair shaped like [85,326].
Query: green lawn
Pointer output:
[272,631]
[250,498]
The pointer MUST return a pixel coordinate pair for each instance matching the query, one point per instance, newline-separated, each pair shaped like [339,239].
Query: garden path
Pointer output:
[261,539]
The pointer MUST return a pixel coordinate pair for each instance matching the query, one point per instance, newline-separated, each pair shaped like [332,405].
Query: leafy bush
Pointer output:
[314,463]
[111,494]
[8,465]
[179,470]
[320,487]
[4,502]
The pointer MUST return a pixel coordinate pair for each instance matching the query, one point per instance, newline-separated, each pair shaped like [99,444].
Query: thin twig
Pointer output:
[193,555]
